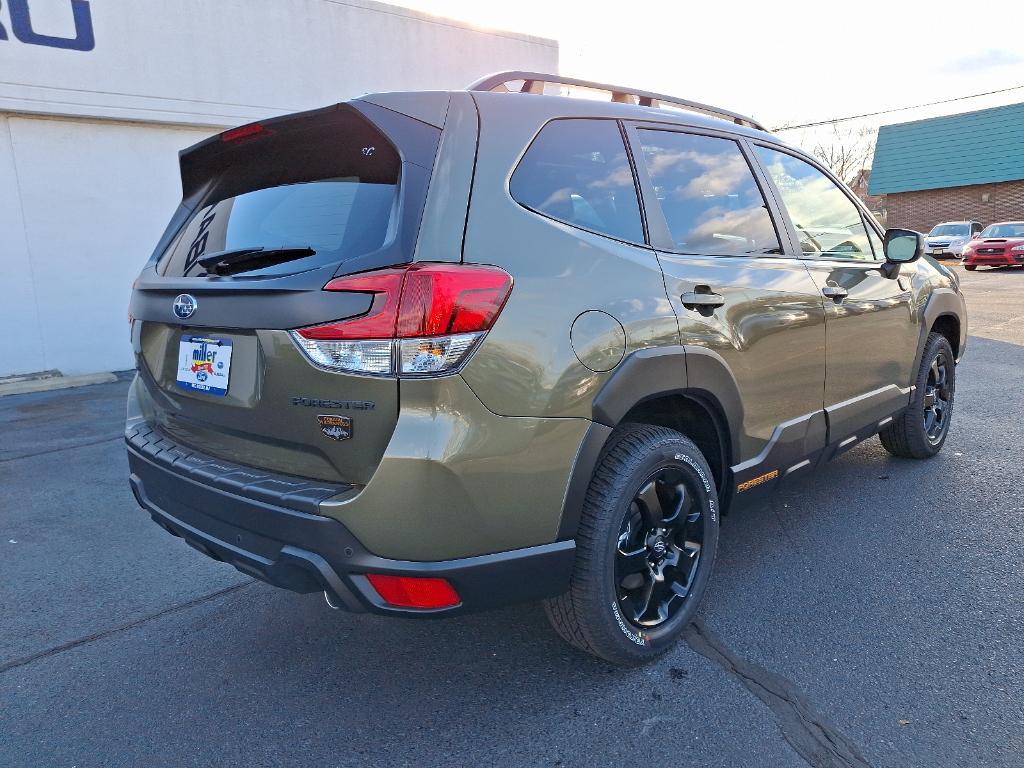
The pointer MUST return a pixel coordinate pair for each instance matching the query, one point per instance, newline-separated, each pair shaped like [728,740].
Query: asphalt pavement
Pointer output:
[871,616]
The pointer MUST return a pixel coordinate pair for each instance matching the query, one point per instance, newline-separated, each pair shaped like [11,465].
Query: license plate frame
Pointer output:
[204,364]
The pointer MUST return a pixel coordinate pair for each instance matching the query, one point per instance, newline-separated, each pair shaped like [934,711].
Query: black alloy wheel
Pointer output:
[659,549]
[937,399]
[920,431]
[645,547]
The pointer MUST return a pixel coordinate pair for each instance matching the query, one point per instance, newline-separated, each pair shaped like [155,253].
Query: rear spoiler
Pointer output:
[415,140]
[200,162]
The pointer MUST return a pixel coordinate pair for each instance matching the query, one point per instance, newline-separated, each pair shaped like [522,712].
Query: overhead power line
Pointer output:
[897,109]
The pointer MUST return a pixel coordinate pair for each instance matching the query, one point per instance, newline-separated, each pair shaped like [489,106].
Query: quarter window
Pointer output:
[576,171]
[708,194]
[827,221]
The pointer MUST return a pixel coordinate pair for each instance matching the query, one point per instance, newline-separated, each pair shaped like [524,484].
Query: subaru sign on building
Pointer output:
[98,96]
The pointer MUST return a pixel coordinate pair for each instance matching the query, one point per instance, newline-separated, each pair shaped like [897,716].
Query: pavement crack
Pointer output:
[817,741]
[15,663]
[100,441]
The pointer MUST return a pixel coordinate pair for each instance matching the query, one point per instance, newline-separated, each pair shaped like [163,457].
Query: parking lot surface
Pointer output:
[871,616]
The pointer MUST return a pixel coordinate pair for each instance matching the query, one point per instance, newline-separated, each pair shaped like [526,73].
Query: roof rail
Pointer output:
[533,82]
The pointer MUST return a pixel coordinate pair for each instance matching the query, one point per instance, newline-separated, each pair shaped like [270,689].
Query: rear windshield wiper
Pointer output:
[247,259]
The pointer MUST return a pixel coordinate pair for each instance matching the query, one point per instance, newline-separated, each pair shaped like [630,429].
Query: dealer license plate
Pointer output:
[204,364]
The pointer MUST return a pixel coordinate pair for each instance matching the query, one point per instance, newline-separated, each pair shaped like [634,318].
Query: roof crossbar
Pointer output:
[533,82]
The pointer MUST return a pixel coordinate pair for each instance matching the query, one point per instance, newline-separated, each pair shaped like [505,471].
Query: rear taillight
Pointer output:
[425,319]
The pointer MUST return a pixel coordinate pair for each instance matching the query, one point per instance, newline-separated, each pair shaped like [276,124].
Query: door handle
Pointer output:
[702,298]
[836,292]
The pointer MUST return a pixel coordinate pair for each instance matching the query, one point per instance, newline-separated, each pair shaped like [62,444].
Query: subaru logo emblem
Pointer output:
[185,306]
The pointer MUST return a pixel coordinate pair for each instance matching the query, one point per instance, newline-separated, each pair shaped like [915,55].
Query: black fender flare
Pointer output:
[646,374]
[943,302]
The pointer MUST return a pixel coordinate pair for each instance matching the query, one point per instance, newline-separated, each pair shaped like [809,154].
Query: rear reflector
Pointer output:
[414,592]
[432,316]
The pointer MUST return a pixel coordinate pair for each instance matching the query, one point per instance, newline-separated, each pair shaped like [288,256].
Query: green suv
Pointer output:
[436,352]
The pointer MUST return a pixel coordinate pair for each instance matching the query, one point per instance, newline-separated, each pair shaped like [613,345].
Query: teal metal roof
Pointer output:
[973,148]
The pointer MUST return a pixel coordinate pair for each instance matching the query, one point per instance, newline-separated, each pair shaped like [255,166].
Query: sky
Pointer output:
[781,62]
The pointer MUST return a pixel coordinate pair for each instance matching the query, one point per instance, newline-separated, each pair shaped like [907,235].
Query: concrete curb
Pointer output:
[54,382]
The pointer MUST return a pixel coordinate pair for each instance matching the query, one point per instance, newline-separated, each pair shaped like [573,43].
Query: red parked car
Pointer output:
[998,245]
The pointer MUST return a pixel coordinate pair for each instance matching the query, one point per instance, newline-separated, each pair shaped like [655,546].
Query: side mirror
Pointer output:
[902,246]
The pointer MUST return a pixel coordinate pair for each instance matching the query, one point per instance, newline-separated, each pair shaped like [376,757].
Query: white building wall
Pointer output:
[89,138]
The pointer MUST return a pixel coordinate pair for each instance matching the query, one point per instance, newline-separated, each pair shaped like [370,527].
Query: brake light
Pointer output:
[244,132]
[414,591]
[424,319]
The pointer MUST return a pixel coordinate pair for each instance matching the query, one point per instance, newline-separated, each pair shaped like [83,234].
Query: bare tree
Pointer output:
[847,151]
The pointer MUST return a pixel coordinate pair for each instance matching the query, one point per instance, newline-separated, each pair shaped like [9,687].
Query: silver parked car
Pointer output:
[950,237]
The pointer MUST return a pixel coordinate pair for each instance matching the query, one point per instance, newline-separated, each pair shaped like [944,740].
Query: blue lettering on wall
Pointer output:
[21,26]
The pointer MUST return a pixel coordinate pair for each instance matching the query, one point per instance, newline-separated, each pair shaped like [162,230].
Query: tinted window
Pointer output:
[950,230]
[1003,230]
[827,221]
[331,187]
[576,171]
[708,194]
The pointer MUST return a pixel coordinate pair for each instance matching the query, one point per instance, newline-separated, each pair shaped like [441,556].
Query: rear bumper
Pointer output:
[266,526]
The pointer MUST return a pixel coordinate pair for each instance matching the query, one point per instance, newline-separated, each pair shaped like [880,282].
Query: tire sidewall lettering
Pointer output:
[712,501]
[639,638]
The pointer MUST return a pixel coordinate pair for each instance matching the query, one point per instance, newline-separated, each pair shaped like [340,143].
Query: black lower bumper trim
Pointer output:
[307,552]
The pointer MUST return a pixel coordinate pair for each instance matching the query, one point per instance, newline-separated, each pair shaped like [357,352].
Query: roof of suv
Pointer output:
[624,103]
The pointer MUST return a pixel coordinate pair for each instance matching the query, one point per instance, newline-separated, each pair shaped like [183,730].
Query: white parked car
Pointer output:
[950,237]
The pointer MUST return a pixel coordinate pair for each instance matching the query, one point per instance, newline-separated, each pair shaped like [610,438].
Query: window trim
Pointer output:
[629,159]
[866,220]
[661,235]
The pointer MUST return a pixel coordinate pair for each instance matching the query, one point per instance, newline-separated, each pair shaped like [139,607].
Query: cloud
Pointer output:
[982,60]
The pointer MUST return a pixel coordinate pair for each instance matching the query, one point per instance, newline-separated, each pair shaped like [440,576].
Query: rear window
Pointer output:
[329,187]
[576,171]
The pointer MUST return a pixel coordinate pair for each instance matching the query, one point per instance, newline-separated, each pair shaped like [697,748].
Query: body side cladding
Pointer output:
[656,372]
[587,457]
[644,375]
[943,302]
[795,446]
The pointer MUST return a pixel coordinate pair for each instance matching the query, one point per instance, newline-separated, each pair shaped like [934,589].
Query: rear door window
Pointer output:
[332,189]
[576,171]
[707,192]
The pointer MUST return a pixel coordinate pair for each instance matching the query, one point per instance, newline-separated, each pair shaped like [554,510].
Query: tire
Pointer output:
[970,267]
[646,473]
[916,435]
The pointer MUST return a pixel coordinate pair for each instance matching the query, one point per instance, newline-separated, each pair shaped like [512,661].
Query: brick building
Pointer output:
[961,167]
[859,187]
